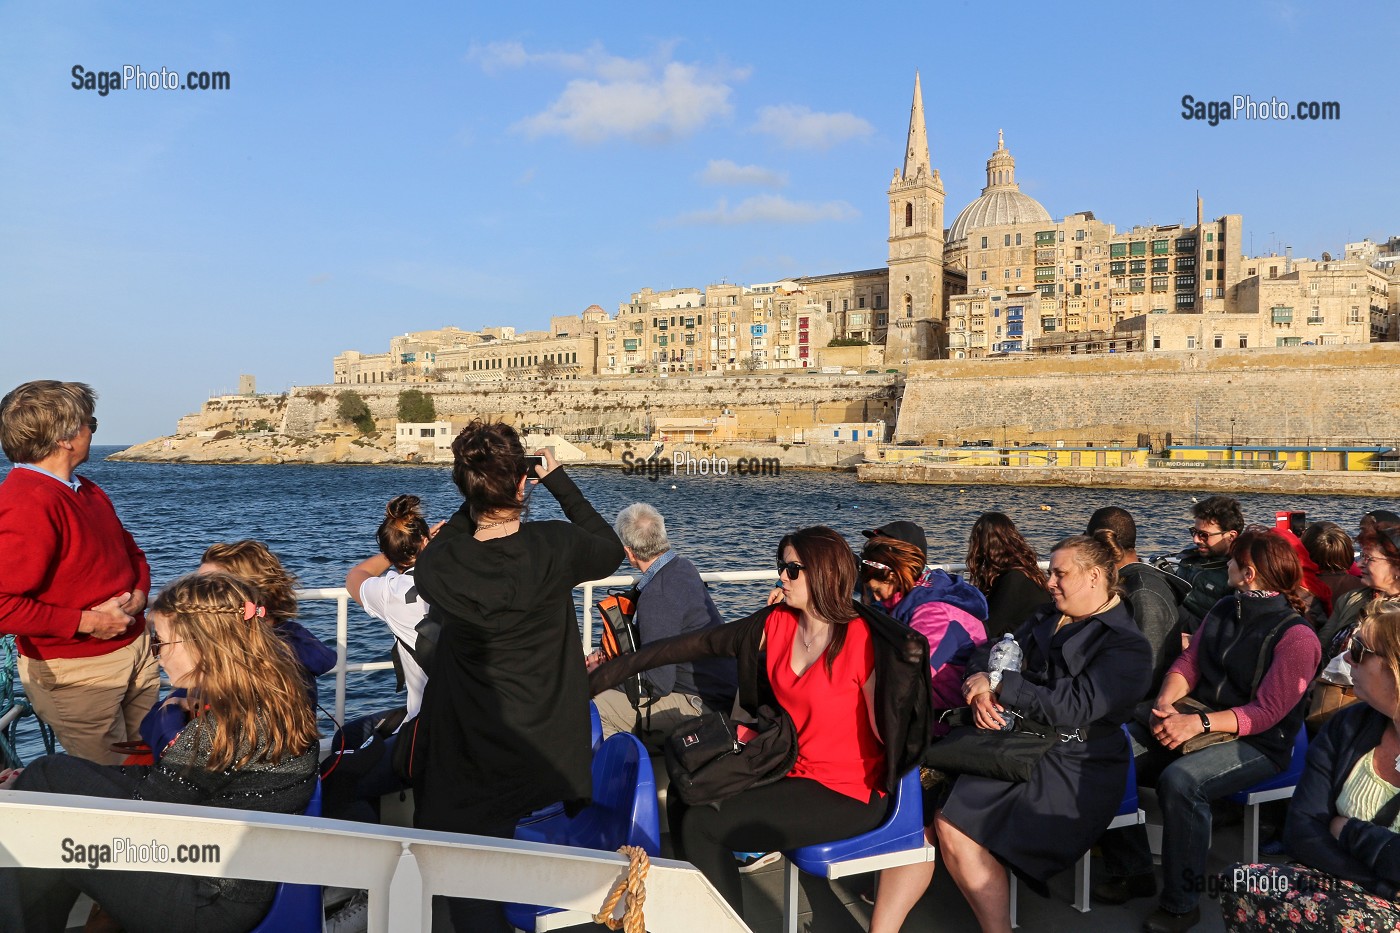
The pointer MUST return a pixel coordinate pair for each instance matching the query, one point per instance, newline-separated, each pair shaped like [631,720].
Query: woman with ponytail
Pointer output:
[250,744]
[1244,673]
[360,769]
[506,707]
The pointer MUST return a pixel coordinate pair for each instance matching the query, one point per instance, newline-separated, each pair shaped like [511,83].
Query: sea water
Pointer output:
[321,520]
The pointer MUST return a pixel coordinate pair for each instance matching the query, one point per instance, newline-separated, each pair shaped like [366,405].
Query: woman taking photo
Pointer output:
[250,745]
[506,706]
[855,684]
[1244,673]
[1342,821]
[1082,672]
[1003,565]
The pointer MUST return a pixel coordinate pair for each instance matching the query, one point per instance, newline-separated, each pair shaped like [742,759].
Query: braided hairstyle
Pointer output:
[246,685]
[403,531]
[255,562]
[488,461]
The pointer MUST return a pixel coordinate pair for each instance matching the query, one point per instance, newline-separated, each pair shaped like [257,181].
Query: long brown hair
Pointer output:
[403,531]
[255,562]
[830,568]
[1275,563]
[246,685]
[996,546]
[904,560]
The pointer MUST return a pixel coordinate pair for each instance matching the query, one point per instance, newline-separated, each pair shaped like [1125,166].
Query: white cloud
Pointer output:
[797,127]
[768,209]
[725,172]
[651,99]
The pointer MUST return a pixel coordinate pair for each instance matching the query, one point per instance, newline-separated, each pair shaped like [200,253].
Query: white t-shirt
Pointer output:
[394,599]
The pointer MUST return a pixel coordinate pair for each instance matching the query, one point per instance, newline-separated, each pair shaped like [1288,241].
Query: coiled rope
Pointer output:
[9,736]
[634,888]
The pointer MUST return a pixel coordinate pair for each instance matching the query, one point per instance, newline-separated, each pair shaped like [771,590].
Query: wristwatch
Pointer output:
[1205,722]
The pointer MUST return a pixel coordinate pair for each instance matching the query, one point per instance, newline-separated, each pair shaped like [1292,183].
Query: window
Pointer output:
[1210,254]
[1210,237]
[1159,247]
[1156,341]
[828,306]
[1006,240]
[1355,316]
[1137,248]
[984,242]
[1219,341]
[1018,239]
[1137,266]
[1244,341]
[845,304]
[1287,341]
[1159,283]
[878,300]
[908,214]
[1191,343]
[1159,265]
[984,275]
[1210,275]
[862,301]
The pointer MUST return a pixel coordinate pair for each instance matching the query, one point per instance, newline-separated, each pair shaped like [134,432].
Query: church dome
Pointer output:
[1002,201]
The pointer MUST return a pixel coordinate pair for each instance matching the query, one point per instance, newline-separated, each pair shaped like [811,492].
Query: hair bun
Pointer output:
[402,508]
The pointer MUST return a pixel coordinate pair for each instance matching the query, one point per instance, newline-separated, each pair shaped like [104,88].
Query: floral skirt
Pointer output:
[1268,898]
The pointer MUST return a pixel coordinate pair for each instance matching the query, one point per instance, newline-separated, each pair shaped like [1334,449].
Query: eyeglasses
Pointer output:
[92,425]
[1357,651]
[790,569]
[157,644]
[1372,559]
[873,568]
[1198,535]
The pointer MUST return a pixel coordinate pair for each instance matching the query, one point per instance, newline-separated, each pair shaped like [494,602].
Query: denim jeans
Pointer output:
[1186,785]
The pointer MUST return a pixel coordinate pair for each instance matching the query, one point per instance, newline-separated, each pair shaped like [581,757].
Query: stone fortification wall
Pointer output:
[576,406]
[1311,395]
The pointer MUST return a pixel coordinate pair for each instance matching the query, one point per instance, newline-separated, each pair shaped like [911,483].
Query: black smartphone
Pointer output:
[531,462]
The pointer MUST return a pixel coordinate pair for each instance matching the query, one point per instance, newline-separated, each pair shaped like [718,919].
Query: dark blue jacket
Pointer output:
[1366,853]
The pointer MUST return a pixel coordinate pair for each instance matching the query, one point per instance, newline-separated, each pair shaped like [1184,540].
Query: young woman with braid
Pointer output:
[250,744]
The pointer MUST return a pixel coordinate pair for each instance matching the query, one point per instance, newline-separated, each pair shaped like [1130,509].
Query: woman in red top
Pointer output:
[819,659]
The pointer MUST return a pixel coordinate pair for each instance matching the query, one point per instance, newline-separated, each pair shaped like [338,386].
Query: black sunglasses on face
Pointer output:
[157,644]
[790,569]
[92,425]
[1357,651]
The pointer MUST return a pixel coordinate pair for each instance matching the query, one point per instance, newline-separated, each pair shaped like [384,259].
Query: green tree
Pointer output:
[351,408]
[416,407]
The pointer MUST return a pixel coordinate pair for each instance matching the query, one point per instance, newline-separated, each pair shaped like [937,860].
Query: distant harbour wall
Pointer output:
[1312,395]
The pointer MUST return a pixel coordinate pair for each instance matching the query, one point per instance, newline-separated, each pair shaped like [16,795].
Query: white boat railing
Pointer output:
[402,869]
[342,616]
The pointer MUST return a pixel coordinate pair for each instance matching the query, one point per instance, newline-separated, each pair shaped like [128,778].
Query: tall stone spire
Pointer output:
[916,155]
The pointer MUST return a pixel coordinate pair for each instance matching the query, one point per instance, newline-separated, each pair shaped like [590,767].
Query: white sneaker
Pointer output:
[352,918]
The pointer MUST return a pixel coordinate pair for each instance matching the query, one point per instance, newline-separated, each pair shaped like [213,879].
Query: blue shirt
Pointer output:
[72,484]
[665,558]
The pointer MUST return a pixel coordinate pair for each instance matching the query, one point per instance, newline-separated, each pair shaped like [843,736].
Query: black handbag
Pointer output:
[1009,755]
[708,763]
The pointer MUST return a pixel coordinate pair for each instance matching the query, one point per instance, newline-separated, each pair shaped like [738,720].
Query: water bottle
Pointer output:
[1006,656]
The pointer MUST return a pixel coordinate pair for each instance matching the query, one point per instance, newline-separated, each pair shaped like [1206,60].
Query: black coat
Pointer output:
[506,704]
[1089,672]
[903,688]
[1365,853]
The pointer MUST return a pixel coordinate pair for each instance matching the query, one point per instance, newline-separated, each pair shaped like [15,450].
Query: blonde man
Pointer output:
[74,584]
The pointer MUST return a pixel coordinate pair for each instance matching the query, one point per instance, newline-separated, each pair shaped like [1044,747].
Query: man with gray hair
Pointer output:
[75,583]
[672,599]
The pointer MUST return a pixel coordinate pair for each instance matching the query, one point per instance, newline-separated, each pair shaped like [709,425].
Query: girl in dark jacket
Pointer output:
[1345,844]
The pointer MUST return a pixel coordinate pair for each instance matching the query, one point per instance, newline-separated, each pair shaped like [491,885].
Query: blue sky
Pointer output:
[378,168]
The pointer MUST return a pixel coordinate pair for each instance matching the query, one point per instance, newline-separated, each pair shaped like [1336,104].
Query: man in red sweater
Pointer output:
[74,583]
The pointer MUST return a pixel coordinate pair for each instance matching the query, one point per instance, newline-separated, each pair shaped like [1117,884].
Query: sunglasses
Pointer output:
[92,425]
[157,644]
[790,569]
[1357,651]
[1206,535]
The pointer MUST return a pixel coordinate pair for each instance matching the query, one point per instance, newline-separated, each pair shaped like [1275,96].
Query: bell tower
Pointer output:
[916,249]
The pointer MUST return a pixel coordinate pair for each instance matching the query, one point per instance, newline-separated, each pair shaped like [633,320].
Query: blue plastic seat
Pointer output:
[899,840]
[1278,787]
[623,812]
[296,907]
